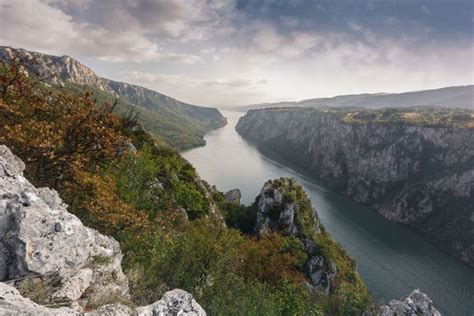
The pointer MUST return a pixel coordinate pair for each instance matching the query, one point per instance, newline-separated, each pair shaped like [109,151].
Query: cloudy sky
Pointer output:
[226,52]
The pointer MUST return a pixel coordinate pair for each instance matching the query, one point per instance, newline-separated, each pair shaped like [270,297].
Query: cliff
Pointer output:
[283,207]
[181,125]
[418,174]
[49,256]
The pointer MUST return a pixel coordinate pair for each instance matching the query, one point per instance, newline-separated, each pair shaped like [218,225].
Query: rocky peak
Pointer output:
[283,207]
[49,250]
[55,69]
[233,196]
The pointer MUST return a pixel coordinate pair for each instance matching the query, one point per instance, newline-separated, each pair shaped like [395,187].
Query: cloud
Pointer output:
[425,10]
[171,19]
[208,50]
[39,26]
[236,82]
[199,90]
[267,38]
[231,51]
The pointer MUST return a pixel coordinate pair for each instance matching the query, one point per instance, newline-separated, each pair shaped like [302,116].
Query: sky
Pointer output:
[232,52]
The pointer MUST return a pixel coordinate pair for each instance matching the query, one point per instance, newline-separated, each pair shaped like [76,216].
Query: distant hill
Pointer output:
[179,124]
[449,97]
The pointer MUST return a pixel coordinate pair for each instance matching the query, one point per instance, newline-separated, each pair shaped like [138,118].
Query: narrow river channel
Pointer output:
[391,259]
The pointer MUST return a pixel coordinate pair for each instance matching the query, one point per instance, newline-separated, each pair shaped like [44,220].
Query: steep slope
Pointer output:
[283,207]
[179,124]
[53,258]
[416,173]
[169,223]
[449,97]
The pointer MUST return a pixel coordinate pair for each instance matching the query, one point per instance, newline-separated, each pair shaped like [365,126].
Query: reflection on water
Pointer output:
[391,259]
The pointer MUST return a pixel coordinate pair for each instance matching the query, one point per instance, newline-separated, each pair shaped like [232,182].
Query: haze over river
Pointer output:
[391,259]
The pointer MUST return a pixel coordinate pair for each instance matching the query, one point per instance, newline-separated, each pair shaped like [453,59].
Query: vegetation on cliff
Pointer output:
[414,116]
[117,179]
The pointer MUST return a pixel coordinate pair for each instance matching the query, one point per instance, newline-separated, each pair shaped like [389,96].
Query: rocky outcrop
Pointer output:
[233,196]
[415,304]
[277,212]
[12,303]
[52,252]
[176,302]
[41,239]
[283,207]
[422,176]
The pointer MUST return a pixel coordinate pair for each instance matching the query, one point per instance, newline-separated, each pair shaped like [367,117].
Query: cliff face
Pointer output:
[417,175]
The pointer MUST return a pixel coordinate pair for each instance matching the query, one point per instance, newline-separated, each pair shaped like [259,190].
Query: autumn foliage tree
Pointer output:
[64,139]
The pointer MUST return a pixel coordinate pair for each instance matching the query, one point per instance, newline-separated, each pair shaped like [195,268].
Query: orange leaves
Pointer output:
[271,258]
[65,139]
[60,132]
[100,203]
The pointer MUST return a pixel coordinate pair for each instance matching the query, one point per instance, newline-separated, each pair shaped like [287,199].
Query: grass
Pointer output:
[415,116]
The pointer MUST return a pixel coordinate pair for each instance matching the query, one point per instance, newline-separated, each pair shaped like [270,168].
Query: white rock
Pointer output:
[416,304]
[12,303]
[176,302]
[43,239]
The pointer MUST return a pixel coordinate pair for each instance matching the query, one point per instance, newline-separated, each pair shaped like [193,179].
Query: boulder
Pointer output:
[415,304]
[12,303]
[233,196]
[176,302]
[43,240]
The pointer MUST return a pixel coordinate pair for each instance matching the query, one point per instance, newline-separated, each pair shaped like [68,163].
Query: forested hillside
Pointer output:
[177,124]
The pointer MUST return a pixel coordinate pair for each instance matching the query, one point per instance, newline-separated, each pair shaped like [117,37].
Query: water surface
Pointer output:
[391,259]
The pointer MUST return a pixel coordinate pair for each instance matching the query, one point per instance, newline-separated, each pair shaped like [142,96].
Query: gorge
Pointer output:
[414,167]
[126,183]
[391,259]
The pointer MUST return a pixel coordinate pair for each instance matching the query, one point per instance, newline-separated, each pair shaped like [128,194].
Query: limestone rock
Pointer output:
[43,240]
[278,214]
[417,303]
[173,303]
[112,310]
[176,302]
[277,211]
[233,196]
[12,303]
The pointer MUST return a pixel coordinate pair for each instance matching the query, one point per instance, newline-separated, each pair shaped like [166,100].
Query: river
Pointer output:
[391,259]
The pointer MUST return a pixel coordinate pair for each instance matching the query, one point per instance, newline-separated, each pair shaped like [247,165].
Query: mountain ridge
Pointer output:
[454,97]
[182,125]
